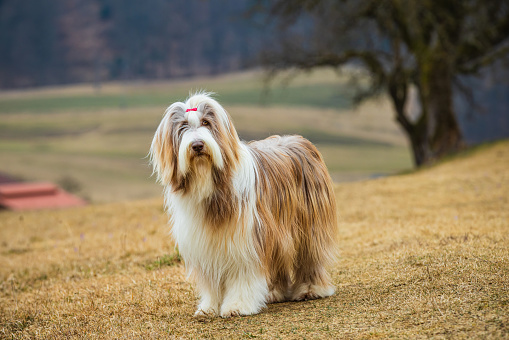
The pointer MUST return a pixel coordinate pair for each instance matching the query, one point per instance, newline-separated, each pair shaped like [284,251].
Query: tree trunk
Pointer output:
[435,133]
[417,136]
[444,132]
[416,131]
[420,145]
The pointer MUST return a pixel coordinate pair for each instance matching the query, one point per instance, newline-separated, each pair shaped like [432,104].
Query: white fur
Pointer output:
[230,266]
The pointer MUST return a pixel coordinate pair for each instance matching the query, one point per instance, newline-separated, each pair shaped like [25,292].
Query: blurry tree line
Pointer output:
[62,41]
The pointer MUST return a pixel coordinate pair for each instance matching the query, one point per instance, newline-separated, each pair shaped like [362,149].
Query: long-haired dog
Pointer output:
[254,222]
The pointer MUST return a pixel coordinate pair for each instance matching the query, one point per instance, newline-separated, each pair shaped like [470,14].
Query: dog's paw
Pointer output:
[230,313]
[205,313]
[305,296]
[306,292]
[276,296]
[237,309]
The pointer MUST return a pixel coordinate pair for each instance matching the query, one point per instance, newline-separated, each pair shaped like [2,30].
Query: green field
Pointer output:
[94,141]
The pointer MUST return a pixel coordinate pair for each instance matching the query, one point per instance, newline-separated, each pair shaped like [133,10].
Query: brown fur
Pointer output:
[297,209]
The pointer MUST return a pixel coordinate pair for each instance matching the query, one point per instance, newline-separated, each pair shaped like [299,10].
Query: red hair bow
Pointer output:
[193,109]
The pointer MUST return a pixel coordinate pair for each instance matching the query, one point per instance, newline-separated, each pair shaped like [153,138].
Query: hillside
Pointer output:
[422,255]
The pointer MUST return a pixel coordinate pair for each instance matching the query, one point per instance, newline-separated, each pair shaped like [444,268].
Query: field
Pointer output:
[423,255]
[94,141]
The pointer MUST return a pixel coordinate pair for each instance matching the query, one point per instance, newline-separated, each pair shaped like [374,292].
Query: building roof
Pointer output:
[30,196]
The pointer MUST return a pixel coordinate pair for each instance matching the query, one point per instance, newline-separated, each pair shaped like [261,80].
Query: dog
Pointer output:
[255,223]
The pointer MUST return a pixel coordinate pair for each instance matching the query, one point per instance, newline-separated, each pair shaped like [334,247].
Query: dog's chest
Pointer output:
[202,244]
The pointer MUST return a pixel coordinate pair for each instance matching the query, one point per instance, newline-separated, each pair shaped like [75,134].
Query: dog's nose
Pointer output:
[197,146]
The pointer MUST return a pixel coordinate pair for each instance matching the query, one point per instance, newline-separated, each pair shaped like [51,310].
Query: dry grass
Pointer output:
[424,255]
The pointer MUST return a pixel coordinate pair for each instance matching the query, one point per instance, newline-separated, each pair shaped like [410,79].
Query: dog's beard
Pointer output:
[201,181]
[201,165]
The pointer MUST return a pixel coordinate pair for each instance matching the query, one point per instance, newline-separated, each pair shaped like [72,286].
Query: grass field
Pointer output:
[95,141]
[423,255]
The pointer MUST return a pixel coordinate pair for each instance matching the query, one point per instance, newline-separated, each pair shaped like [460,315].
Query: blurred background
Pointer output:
[379,86]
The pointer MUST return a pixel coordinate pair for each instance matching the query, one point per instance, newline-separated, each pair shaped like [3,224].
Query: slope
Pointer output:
[422,255]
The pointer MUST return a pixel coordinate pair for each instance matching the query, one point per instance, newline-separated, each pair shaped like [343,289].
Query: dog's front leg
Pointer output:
[245,292]
[210,296]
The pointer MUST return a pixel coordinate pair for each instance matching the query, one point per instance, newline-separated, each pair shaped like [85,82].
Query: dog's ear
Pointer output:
[159,157]
[163,153]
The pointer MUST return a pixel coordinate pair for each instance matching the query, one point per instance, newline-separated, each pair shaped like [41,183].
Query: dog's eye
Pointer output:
[205,123]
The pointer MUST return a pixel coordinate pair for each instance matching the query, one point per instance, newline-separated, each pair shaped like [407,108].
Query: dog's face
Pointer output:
[193,137]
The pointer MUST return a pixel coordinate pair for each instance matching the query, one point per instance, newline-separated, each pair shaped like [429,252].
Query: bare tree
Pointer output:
[401,44]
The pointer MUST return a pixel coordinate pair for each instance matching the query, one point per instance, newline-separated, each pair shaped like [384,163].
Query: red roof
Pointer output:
[28,196]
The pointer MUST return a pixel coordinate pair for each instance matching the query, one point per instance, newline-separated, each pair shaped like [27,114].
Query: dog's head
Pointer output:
[194,135]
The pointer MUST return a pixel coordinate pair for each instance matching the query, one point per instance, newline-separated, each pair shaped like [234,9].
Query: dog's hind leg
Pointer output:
[314,284]
[279,274]
[279,287]
[311,280]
